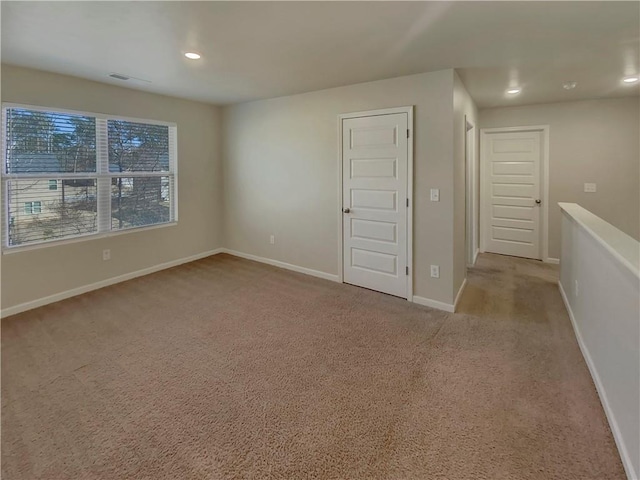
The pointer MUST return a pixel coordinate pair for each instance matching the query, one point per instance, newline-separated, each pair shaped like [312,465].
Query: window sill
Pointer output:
[83,238]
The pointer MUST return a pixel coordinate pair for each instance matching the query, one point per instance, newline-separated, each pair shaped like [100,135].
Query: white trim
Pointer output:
[624,248]
[83,238]
[410,197]
[617,435]
[385,111]
[427,302]
[23,307]
[4,235]
[470,190]
[475,256]
[279,264]
[519,128]
[173,159]
[40,108]
[545,193]
[544,178]
[459,295]
[554,261]
[82,176]
[339,204]
[382,111]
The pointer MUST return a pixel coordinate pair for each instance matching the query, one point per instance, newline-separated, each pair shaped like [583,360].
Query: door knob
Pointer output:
[538,201]
[346,210]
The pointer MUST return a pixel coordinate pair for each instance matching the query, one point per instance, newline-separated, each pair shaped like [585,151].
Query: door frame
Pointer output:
[471,179]
[372,113]
[544,183]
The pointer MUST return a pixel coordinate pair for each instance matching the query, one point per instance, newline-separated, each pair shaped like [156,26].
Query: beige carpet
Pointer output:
[229,369]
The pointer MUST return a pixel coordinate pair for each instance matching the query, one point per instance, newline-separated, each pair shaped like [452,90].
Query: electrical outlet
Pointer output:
[577,289]
[435,194]
[590,187]
[106,254]
[435,271]
[272,239]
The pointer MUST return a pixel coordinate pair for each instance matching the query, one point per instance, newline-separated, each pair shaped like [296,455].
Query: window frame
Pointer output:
[101,173]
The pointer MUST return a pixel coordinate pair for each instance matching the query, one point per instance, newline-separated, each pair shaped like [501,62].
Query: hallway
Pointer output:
[512,325]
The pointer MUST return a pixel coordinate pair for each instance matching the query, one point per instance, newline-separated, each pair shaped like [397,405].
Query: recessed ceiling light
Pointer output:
[570,85]
[632,79]
[192,55]
[514,91]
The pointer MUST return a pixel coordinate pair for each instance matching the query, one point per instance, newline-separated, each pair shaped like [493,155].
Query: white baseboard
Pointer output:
[427,302]
[459,295]
[554,261]
[447,307]
[617,435]
[279,264]
[23,307]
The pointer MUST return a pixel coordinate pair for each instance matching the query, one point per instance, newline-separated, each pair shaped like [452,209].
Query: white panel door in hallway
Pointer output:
[374,202]
[511,172]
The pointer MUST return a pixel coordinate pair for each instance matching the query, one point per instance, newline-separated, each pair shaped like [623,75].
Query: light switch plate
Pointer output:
[590,187]
[435,194]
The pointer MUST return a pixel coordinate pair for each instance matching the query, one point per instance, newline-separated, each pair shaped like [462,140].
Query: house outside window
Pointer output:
[53,184]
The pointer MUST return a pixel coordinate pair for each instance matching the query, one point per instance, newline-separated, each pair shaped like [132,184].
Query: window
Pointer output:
[112,174]
[31,208]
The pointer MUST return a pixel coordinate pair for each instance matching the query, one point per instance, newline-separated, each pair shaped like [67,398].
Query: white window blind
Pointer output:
[71,174]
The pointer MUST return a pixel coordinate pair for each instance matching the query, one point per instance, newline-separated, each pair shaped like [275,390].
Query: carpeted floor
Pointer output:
[229,369]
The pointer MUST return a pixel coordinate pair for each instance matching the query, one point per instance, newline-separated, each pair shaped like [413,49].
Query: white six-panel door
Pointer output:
[374,201]
[512,193]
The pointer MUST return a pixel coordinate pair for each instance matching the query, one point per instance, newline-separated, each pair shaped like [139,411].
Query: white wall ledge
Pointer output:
[623,247]
[600,287]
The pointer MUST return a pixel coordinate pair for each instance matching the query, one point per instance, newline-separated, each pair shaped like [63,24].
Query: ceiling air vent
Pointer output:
[119,76]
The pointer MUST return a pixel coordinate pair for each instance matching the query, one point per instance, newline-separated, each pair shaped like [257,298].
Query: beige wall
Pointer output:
[593,141]
[33,274]
[281,174]
[463,108]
